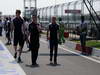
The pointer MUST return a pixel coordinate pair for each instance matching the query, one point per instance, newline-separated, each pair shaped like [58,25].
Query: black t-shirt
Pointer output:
[53,31]
[34,32]
[8,26]
[18,22]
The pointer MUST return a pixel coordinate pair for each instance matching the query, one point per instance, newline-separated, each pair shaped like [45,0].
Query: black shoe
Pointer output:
[63,41]
[7,43]
[55,63]
[10,43]
[15,56]
[60,43]
[51,62]
[19,60]
[33,65]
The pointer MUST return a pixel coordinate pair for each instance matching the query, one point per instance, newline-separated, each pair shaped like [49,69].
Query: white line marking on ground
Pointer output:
[17,67]
[89,58]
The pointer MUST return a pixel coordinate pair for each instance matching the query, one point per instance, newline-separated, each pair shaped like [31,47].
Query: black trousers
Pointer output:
[83,42]
[34,55]
[53,50]
[0,31]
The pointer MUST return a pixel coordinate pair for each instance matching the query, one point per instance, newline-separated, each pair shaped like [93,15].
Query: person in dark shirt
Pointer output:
[34,39]
[53,30]
[83,34]
[18,25]
[8,31]
[1,26]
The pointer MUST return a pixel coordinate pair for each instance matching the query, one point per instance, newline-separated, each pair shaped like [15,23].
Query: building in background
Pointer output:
[29,8]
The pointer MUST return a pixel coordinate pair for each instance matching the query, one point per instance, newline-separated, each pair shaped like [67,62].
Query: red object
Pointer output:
[72,11]
[66,34]
[88,50]
[78,47]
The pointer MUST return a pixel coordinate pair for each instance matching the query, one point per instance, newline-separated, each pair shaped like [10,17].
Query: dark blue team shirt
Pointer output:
[34,32]
[53,31]
[18,25]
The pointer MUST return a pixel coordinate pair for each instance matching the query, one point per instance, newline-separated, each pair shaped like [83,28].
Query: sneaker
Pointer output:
[19,60]
[7,43]
[55,63]
[51,62]
[10,43]
[15,55]
[33,65]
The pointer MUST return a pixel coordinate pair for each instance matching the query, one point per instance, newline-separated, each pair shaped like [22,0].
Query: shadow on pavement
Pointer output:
[32,66]
[53,65]
[60,54]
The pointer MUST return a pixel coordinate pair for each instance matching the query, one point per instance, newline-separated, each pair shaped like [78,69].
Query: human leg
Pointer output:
[55,53]
[51,51]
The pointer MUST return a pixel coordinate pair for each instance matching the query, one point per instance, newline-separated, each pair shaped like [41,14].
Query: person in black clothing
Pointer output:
[34,39]
[83,34]
[5,24]
[18,34]
[53,29]
[8,31]
[1,26]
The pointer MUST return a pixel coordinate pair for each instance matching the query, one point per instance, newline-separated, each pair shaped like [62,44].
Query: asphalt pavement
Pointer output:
[69,62]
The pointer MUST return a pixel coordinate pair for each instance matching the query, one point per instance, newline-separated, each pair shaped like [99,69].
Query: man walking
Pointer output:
[53,29]
[18,24]
[34,32]
[8,31]
[1,26]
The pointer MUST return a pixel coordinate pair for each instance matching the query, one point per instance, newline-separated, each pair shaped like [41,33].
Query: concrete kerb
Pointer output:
[96,52]
[72,45]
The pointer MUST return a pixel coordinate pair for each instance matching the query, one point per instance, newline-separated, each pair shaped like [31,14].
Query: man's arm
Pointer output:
[58,32]
[48,33]
[29,30]
[12,26]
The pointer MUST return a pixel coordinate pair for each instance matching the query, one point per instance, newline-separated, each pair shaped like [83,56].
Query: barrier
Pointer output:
[66,34]
[88,50]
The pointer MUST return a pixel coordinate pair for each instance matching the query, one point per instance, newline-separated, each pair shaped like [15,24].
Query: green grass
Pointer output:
[95,44]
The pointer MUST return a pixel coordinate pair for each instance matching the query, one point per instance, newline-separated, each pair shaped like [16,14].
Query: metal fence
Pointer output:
[71,20]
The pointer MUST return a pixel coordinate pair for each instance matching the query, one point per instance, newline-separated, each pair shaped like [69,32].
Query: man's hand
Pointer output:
[48,38]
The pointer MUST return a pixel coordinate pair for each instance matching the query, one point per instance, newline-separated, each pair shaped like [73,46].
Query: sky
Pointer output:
[8,7]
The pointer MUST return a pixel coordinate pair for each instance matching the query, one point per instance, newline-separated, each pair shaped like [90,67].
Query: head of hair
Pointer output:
[53,17]
[6,18]
[60,19]
[18,11]
[34,15]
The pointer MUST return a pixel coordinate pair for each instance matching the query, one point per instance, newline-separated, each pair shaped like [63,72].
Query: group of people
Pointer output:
[6,26]
[33,32]
[30,32]
[23,31]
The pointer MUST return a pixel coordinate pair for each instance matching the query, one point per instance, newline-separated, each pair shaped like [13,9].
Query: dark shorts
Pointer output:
[18,39]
